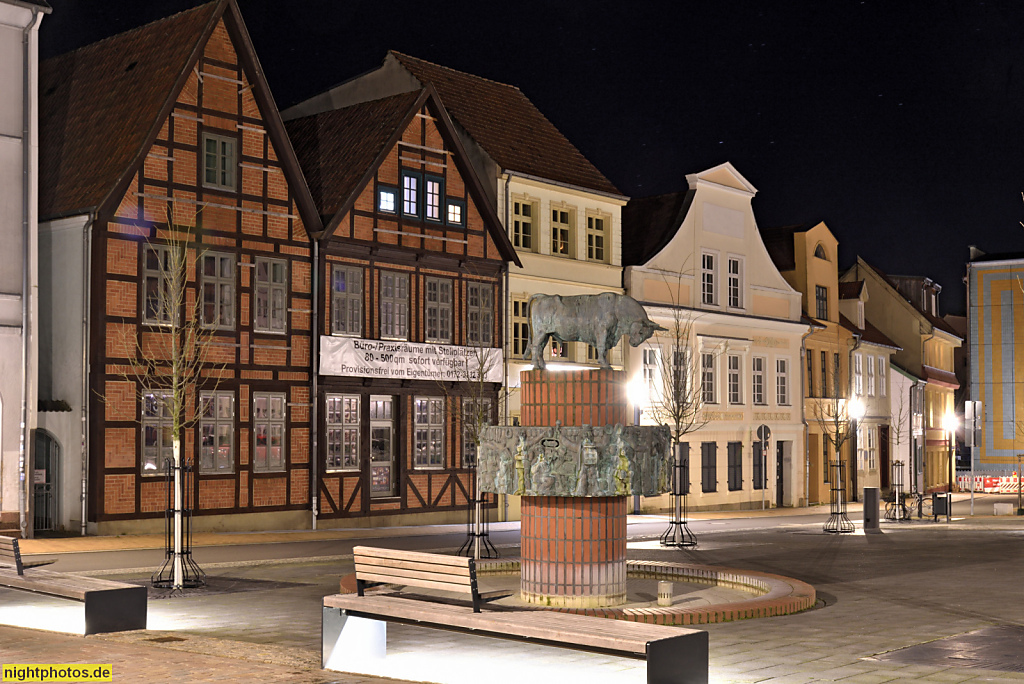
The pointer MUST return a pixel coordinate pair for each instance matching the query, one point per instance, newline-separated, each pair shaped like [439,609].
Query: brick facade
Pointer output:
[257,219]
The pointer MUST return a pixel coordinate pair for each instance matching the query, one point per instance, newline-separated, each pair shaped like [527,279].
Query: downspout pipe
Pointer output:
[803,416]
[508,334]
[28,200]
[86,329]
[853,441]
[314,399]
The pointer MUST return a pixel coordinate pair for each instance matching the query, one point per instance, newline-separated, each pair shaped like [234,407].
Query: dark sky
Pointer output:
[901,129]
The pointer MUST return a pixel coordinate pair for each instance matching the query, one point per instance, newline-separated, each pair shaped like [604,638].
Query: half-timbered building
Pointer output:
[170,129]
[411,262]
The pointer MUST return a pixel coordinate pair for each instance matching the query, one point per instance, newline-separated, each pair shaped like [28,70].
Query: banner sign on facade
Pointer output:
[397,360]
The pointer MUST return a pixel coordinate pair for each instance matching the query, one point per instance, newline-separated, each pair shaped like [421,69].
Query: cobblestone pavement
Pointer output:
[914,584]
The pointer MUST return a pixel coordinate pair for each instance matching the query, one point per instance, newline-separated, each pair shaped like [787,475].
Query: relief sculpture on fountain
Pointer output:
[613,460]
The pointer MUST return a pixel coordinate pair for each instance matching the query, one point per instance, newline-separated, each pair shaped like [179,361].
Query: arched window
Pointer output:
[819,252]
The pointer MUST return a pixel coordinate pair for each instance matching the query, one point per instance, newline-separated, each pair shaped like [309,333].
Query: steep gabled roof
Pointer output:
[341,149]
[649,223]
[101,106]
[336,148]
[868,333]
[503,121]
[934,320]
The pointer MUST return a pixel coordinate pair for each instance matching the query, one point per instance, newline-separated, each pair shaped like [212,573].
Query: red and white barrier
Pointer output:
[1007,484]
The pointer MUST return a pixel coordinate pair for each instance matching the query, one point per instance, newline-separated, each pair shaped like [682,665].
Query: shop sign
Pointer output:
[397,360]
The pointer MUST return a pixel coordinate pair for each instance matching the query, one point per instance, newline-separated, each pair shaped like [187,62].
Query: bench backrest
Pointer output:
[414,568]
[10,554]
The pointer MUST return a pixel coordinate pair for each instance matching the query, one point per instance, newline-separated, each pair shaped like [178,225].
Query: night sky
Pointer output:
[901,130]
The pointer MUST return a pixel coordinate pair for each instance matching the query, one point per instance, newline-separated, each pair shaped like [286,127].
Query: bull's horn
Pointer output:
[655,327]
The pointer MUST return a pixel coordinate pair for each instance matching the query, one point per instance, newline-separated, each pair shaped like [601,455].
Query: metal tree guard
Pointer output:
[678,533]
[478,542]
[837,520]
[192,575]
[897,508]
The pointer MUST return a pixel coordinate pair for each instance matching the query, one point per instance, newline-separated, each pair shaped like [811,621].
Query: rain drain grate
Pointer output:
[991,648]
[166,640]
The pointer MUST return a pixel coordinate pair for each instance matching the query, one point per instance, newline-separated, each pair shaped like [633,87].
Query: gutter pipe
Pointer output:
[314,400]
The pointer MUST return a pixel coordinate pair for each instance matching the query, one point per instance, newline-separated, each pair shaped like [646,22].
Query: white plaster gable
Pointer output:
[720,220]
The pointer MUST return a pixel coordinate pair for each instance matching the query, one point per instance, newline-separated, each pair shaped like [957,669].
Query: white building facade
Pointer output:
[697,256]
[19,178]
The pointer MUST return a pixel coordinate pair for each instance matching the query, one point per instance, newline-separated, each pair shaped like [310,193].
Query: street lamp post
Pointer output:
[949,424]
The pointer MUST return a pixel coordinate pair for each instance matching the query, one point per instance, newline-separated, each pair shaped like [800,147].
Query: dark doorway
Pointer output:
[45,481]
[883,457]
[779,472]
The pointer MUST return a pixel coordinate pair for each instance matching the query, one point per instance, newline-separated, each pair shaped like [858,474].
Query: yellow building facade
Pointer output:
[905,309]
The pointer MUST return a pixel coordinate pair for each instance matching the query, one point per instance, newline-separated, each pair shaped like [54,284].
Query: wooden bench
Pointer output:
[109,606]
[452,574]
[353,626]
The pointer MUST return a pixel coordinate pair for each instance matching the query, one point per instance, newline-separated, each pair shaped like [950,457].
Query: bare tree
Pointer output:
[678,397]
[169,361]
[832,414]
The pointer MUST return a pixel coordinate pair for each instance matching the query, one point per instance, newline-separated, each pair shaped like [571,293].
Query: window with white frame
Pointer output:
[394,305]
[476,415]
[520,327]
[219,161]
[268,430]
[157,274]
[157,432]
[708,266]
[596,238]
[342,432]
[523,225]
[217,290]
[650,363]
[871,376]
[810,373]
[410,193]
[428,432]
[735,283]
[860,448]
[871,450]
[858,375]
[387,200]
[735,386]
[757,385]
[561,232]
[437,310]
[782,382]
[479,314]
[883,366]
[681,375]
[707,378]
[217,432]
[559,350]
[271,294]
[432,199]
[346,300]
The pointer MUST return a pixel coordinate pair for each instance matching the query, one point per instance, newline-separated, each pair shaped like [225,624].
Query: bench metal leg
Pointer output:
[115,610]
[678,660]
[349,640]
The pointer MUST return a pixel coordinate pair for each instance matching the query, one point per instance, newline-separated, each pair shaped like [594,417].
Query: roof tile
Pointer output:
[98,104]
[508,126]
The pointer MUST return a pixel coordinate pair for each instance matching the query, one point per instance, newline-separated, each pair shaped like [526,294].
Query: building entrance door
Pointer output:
[382,447]
[885,466]
[780,471]
[45,476]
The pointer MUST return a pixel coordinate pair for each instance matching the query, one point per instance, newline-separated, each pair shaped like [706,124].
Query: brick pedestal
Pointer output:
[573,548]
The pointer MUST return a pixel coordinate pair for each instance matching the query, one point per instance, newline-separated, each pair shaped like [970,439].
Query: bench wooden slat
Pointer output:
[58,584]
[396,554]
[423,584]
[413,575]
[423,566]
[629,638]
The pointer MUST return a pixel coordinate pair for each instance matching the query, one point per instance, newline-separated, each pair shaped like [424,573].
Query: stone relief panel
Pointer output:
[613,460]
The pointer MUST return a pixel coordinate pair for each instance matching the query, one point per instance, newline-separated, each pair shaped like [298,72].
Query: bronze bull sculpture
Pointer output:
[599,320]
